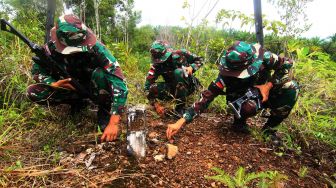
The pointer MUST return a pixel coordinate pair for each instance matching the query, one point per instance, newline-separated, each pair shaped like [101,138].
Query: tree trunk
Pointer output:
[96,5]
[50,19]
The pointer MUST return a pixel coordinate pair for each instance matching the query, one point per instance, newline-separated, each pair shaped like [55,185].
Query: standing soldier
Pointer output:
[76,49]
[177,68]
[244,66]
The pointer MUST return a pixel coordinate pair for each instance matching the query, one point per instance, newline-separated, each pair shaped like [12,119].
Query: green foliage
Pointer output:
[243,179]
[316,106]
[303,172]
[17,165]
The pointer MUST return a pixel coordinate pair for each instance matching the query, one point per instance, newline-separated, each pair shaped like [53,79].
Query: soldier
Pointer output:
[177,68]
[75,47]
[244,66]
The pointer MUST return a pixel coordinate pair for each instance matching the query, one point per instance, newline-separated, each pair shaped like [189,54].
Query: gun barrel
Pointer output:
[6,26]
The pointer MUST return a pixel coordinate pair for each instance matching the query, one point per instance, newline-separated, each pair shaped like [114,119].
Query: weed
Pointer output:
[243,179]
[303,172]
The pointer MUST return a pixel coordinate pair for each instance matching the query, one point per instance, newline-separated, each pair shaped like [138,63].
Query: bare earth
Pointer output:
[207,142]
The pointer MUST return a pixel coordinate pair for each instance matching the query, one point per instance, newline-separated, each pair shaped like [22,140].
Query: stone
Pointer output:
[153,135]
[199,143]
[159,157]
[213,184]
[189,153]
[172,150]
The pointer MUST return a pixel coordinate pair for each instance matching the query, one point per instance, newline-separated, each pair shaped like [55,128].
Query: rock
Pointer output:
[189,153]
[171,151]
[153,135]
[89,150]
[154,141]
[213,184]
[159,157]
[199,143]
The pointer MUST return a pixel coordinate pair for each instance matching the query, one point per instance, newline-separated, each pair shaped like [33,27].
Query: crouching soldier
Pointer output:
[76,49]
[177,68]
[245,66]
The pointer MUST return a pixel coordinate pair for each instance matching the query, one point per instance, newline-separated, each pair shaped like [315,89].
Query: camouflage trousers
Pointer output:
[178,88]
[282,98]
[109,92]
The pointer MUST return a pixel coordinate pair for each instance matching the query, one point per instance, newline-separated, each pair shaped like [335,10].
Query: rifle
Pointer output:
[251,94]
[44,59]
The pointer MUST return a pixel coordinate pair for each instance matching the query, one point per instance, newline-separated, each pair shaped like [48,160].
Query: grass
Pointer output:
[243,179]
[30,134]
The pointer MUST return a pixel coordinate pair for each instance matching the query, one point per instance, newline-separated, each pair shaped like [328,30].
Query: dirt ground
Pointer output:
[207,142]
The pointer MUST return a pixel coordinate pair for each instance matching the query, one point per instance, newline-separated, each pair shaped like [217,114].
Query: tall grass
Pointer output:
[315,113]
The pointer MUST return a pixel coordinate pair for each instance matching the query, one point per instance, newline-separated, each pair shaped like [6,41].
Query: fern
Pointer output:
[242,179]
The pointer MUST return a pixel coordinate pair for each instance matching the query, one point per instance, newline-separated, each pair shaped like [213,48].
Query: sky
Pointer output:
[170,12]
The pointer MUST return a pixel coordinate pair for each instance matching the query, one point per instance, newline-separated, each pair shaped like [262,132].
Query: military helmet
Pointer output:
[71,35]
[160,51]
[241,60]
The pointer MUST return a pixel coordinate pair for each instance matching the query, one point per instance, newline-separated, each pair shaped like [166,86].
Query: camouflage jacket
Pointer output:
[274,69]
[80,66]
[166,69]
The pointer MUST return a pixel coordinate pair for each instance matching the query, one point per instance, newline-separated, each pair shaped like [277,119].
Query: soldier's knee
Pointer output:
[38,92]
[153,91]
[178,74]
[97,74]
[290,92]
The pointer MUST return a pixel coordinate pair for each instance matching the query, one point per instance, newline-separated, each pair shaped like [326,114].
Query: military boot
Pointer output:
[77,106]
[269,131]
[240,126]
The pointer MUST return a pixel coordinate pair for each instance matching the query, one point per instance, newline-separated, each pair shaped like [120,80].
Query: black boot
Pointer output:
[103,116]
[77,106]
[240,126]
[269,131]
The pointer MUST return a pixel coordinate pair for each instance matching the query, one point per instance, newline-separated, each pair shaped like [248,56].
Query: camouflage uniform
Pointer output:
[86,60]
[243,66]
[171,64]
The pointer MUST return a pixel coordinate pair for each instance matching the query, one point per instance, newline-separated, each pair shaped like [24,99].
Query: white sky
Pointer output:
[169,12]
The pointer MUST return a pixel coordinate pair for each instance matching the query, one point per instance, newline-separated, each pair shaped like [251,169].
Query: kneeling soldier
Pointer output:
[177,68]
[245,66]
[75,47]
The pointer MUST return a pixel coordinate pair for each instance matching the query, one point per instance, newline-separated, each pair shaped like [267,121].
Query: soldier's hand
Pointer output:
[112,129]
[189,70]
[264,90]
[159,109]
[63,84]
[174,128]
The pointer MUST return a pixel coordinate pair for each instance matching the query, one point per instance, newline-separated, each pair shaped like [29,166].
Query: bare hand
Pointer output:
[159,109]
[63,84]
[264,90]
[189,70]
[174,128]
[112,129]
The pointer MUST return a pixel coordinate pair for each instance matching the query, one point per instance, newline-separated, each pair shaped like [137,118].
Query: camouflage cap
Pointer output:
[70,35]
[241,60]
[160,51]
